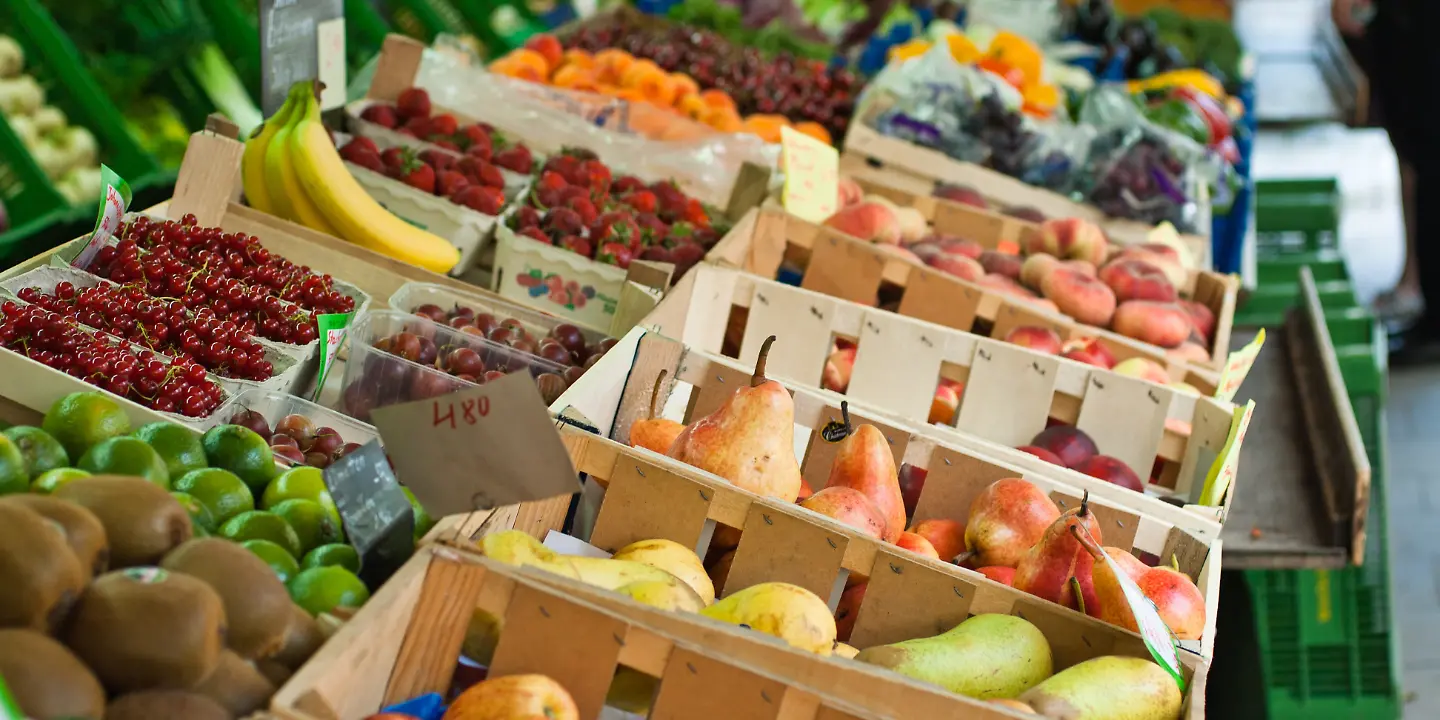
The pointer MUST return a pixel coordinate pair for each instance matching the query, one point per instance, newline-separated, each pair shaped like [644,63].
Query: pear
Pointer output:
[664,595]
[789,612]
[849,506]
[674,558]
[1108,688]
[750,440]
[987,656]
[1178,602]
[1006,520]
[515,547]
[864,462]
[1047,569]
[652,432]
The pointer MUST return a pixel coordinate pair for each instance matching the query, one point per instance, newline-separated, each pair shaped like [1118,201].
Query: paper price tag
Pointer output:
[378,519]
[1237,366]
[114,200]
[812,176]
[330,48]
[332,334]
[1153,630]
[478,448]
[1222,473]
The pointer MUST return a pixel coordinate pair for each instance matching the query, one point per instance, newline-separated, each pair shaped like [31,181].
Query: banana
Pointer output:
[289,199]
[351,211]
[252,164]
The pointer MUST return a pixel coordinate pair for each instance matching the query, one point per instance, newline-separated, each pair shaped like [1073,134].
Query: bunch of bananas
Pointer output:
[291,169]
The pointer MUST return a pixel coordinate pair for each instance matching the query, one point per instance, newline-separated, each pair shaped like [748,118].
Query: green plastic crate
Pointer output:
[1297,215]
[1325,265]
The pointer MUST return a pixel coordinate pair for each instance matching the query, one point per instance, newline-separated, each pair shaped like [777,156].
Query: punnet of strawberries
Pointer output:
[578,204]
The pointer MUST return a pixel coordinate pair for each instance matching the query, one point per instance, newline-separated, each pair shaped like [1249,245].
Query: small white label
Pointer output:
[567,545]
[330,40]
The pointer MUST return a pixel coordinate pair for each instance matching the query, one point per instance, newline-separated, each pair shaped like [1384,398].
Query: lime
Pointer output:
[275,556]
[220,491]
[49,481]
[200,516]
[242,452]
[300,483]
[126,456]
[13,476]
[81,420]
[310,522]
[322,589]
[261,525]
[338,554]
[42,453]
[178,446]
[423,521]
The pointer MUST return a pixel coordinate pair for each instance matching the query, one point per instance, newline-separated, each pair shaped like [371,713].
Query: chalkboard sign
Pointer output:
[375,512]
[298,41]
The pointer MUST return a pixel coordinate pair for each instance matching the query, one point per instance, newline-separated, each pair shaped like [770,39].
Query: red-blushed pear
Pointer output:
[863,461]
[946,402]
[917,544]
[750,439]
[945,535]
[1002,575]
[1006,519]
[654,432]
[1068,443]
[1129,564]
[849,506]
[1178,600]
[838,368]
[848,609]
[1058,563]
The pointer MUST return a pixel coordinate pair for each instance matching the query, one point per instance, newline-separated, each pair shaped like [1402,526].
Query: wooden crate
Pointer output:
[1014,391]
[406,639]
[652,496]
[843,266]
[868,154]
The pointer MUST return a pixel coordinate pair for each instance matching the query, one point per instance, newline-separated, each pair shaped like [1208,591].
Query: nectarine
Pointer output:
[1043,454]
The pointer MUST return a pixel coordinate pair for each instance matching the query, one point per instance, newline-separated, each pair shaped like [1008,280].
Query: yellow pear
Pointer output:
[846,651]
[674,558]
[514,547]
[677,597]
[789,612]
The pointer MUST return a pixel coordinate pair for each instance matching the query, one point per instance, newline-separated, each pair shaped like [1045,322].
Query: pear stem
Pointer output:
[1086,541]
[963,558]
[1174,563]
[1085,504]
[655,392]
[758,378]
[845,417]
[1079,596]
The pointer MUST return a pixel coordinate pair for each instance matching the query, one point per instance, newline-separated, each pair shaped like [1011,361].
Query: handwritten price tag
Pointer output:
[1222,473]
[330,49]
[478,448]
[1237,366]
[812,176]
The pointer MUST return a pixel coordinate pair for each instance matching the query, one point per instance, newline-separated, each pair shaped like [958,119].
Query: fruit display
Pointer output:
[66,153]
[413,115]
[1160,41]
[772,31]
[1009,57]
[299,432]
[469,181]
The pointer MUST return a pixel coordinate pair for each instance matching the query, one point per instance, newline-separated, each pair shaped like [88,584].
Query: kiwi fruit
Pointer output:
[47,680]
[303,637]
[40,577]
[82,529]
[141,519]
[257,605]
[148,629]
[236,685]
[157,704]
[273,671]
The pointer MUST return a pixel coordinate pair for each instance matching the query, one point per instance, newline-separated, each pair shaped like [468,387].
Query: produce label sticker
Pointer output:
[377,516]
[114,199]
[330,48]
[9,708]
[332,327]
[478,448]
[1153,630]
[812,176]
[1237,366]
[1222,473]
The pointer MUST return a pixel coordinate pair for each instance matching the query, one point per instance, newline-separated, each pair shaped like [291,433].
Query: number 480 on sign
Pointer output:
[471,410]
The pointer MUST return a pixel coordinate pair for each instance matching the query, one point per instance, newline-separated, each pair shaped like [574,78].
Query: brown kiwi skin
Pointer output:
[46,679]
[237,685]
[83,530]
[40,579]
[148,629]
[257,605]
[165,705]
[273,671]
[142,521]
[303,637]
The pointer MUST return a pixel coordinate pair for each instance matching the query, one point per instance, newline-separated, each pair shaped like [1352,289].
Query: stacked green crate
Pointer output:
[1325,637]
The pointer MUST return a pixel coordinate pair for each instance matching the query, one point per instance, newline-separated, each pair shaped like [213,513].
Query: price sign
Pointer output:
[330,49]
[478,448]
[113,202]
[1237,366]
[1157,636]
[291,48]
[1222,473]
[812,176]
[378,520]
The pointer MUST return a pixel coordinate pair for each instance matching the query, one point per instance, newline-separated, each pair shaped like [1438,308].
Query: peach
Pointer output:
[1088,350]
[959,266]
[1039,339]
[1084,267]
[1201,317]
[1000,263]
[1043,454]
[912,225]
[867,220]
[945,535]
[963,194]
[1143,368]
[1084,298]
[850,192]
[951,245]
[1024,212]
[838,367]
[945,403]
[1044,304]
[917,544]
[849,506]
[1035,268]
[1002,284]
[901,252]
[1111,470]
[1134,279]
[999,573]
[1157,323]
[1190,352]
[1074,239]
[1165,258]
[1069,443]
[1180,602]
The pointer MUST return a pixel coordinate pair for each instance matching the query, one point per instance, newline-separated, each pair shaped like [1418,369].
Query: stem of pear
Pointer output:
[655,392]
[963,558]
[758,378]
[1079,596]
[1086,541]
[1085,504]
[845,417]
[1174,563]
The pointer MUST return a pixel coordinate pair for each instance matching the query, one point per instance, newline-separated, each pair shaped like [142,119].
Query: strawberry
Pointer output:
[419,125]
[438,160]
[655,253]
[480,145]
[407,132]
[652,228]
[366,159]
[565,166]
[705,236]
[525,217]
[615,227]
[382,115]
[538,235]
[626,184]
[475,135]
[449,182]
[695,213]
[576,244]
[442,143]
[584,207]
[419,176]
[643,201]
[489,175]
[480,199]
[363,142]
[516,159]
[614,253]
[551,180]
[414,102]
[444,124]
[580,153]
[572,192]
[563,221]
[544,197]
[686,256]
[394,157]
[594,175]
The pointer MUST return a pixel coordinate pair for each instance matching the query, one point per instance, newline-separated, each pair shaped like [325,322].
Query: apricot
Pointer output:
[815,130]
[612,64]
[573,76]
[530,58]
[1157,323]
[548,47]
[578,57]
[718,98]
[1084,298]
[1135,279]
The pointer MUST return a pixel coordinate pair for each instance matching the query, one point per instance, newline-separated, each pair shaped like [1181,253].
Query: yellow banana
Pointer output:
[289,199]
[252,162]
[351,211]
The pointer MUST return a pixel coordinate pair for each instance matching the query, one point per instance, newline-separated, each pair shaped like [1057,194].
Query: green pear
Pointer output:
[987,656]
[1108,688]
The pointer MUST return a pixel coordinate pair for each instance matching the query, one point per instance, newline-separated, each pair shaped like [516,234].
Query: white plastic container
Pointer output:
[276,405]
